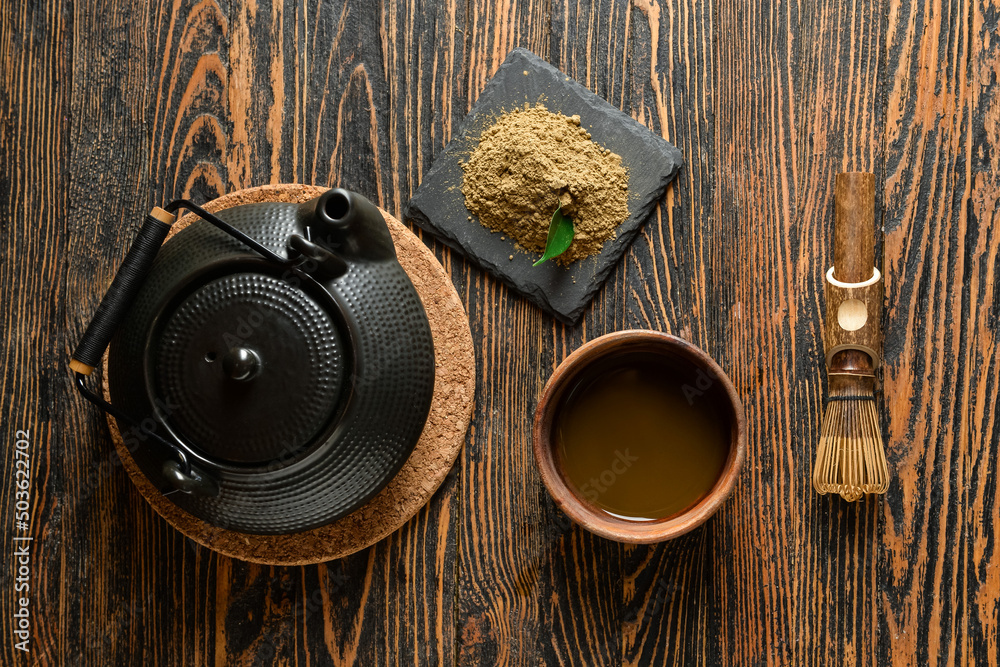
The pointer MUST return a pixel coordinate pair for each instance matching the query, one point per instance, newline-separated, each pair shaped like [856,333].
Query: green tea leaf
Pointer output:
[560,236]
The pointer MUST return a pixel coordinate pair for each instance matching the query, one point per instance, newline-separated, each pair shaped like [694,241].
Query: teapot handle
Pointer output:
[120,295]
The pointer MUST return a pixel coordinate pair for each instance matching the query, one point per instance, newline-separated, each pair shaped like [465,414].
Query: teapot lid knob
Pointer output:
[241,364]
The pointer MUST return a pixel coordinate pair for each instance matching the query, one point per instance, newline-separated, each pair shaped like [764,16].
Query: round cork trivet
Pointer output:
[423,472]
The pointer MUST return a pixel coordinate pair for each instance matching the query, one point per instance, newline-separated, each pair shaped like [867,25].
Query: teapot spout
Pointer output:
[347,223]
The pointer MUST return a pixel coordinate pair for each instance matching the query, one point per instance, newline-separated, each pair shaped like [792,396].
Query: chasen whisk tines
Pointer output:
[850,460]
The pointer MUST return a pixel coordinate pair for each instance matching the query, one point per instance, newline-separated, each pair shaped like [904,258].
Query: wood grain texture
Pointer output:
[109,107]
[840,110]
[800,87]
[34,138]
[671,591]
[981,629]
[498,605]
[923,569]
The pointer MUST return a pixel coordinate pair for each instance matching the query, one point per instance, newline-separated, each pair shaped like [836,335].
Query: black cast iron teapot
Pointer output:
[273,360]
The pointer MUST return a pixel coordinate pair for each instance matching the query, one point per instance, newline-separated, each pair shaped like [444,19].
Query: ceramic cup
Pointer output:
[590,516]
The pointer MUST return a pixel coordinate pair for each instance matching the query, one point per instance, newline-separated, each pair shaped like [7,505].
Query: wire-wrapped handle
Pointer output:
[124,287]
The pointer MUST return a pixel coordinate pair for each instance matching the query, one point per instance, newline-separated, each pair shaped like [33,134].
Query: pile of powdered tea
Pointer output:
[531,161]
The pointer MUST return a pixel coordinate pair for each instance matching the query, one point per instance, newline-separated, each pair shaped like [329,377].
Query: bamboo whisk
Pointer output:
[850,459]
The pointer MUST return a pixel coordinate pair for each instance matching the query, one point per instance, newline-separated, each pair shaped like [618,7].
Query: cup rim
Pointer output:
[581,511]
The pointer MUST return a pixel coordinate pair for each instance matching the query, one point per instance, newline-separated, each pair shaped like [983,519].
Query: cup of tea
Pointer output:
[639,436]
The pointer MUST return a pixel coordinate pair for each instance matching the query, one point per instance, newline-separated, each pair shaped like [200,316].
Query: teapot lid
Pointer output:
[250,368]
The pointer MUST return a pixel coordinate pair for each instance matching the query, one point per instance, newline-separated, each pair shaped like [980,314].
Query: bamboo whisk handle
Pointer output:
[854,227]
[853,327]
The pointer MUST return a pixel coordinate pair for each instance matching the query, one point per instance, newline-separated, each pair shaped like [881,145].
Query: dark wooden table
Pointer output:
[111,106]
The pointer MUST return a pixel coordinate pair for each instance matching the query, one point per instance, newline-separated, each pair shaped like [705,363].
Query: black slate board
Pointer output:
[439,206]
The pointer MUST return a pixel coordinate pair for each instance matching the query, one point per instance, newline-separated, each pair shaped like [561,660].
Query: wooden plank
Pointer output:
[134,590]
[498,604]
[797,102]
[928,375]
[665,284]
[839,117]
[424,46]
[422,51]
[982,247]
[756,160]
[580,574]
[376,80]
[344,100]
[187,75]
[35,47]
[394,600]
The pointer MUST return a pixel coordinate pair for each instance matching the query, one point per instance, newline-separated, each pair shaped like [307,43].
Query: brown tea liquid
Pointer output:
[642,436]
